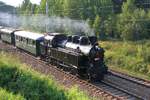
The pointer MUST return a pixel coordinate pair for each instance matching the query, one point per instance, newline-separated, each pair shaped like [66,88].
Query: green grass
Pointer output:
[16,78]
[129,57]
[5,95]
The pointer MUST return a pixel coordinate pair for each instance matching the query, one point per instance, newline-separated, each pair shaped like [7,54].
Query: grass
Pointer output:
[5,95]
[16,78]
[129,57]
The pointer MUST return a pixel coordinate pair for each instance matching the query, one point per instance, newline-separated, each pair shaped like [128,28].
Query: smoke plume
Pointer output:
[43,23]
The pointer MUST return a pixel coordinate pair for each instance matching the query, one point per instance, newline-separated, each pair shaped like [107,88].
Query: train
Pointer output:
[77,53]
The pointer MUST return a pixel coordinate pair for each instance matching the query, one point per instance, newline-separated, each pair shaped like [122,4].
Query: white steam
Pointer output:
[46,24]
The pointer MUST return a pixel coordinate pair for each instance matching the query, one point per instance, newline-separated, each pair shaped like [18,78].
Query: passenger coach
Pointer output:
[0,32]
[29,41]
[7,35]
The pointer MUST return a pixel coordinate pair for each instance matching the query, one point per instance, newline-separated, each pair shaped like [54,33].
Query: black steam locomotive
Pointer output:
[79,53]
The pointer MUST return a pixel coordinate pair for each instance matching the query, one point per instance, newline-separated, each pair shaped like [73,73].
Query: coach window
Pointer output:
[21,39]
[17,38]
[33,42]
[6,35]
[30,42]
[27,41]
[24,40]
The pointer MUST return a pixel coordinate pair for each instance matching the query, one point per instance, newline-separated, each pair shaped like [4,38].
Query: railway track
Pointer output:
[115,86]
[137,87]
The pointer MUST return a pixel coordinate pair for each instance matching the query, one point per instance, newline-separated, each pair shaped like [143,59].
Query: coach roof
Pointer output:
[30,35]
[7,30]
[1,27]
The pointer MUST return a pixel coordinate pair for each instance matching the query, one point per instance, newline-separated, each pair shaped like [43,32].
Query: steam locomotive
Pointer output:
[79,53]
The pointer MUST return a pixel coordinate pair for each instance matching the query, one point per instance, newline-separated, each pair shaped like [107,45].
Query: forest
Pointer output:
[124,20]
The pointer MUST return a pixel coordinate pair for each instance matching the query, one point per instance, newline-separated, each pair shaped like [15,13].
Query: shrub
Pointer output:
[5,95]
[133,56]
[74,94]
[19,79]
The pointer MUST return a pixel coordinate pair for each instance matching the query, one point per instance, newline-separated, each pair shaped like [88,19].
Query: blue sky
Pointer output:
[18,2]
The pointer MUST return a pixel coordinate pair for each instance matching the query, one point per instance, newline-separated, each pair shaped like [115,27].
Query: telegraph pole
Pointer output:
[46,10]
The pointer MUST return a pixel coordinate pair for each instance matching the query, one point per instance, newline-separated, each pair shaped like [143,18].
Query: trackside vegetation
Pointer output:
[31,85]
[134,57]
[5,95]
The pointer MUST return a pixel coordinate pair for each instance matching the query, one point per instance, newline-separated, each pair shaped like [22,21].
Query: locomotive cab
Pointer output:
[52,40]
[46,44]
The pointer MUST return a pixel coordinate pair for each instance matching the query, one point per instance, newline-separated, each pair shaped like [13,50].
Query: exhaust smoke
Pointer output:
[43,23]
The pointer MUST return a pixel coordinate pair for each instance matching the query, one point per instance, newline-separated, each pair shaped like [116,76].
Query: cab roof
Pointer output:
[50,36]
[53,34]
[29,35]
[47,37]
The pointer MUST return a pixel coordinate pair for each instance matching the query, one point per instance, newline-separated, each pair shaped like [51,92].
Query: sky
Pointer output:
[18,2]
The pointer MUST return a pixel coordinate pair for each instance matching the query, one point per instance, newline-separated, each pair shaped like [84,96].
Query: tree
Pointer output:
[96,25]
[130,22]
[110,26]
[25,7]
[43,7]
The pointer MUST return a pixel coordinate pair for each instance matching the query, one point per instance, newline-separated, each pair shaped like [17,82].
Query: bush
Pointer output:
[133,56]
[74,94]
[19,79]
[5,95]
